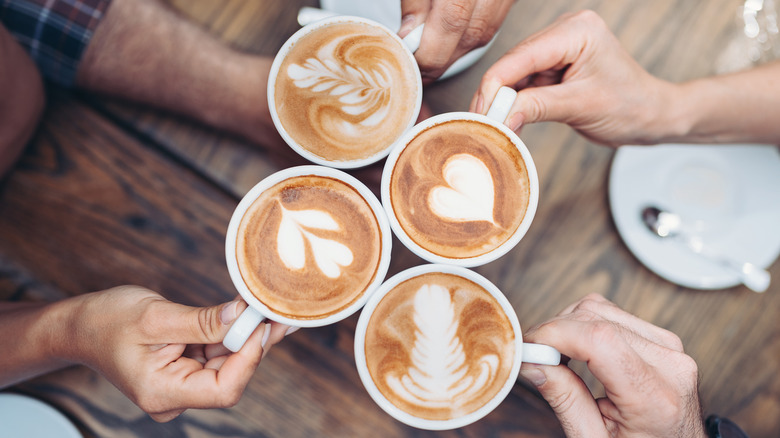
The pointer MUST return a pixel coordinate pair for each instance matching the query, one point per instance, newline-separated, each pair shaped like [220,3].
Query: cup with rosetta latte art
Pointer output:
[461,188]
[439,347]
[343,89]
[305,247]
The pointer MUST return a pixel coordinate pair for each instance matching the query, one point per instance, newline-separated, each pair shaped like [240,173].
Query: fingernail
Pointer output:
[480,103]
[229,313]
[533,375]
[266,335]
[406,25]
[291,330]
[515,121]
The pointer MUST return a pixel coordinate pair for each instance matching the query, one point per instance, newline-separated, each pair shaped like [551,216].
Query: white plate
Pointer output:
[729,195]
[22,416]
[389,14]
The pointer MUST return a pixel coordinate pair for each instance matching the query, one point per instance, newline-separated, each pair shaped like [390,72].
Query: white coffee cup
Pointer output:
[495,117]
[528,352]
[318,19]
[257,311]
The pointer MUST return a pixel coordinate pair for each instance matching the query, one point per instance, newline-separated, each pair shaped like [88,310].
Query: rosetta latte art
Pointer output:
[361,92]
[439,376]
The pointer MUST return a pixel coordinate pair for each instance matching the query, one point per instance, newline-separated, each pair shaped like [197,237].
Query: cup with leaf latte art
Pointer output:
[439,347]
[342,90]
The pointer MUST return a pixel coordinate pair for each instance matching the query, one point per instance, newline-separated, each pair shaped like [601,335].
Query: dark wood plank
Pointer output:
[90,207]
[572,248]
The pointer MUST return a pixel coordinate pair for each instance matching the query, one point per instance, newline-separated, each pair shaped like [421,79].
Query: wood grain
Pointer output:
[90,207]
[142,188]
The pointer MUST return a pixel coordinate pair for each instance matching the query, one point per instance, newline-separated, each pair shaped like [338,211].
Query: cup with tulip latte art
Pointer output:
[343,89]
[461,188]
[305,247]
[439,347]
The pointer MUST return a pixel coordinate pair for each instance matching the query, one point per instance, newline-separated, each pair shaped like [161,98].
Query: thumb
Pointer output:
[552,103]
[180,324]
[569,398]
[413,14]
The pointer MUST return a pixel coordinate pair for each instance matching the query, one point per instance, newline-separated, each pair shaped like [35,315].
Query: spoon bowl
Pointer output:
[665,224]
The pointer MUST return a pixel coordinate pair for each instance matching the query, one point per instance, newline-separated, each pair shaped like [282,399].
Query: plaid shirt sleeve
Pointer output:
[54,32]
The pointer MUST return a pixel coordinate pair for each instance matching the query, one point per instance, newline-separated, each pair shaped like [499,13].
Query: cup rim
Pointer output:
[362,367]
[248,199]
[271,89]
[508,244]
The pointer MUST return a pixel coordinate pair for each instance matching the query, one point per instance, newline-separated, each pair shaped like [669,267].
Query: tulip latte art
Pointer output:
[346,91]
[308,247]
[460,189]
[439,346]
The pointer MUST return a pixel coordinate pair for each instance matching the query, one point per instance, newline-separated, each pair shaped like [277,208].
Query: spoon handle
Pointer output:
[753,277]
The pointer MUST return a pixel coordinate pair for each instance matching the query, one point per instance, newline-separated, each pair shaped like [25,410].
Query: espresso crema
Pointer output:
[308,247]
[439,346]
[460,189]
[346,91]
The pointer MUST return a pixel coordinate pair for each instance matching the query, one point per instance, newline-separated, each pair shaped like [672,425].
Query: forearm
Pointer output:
[144,52]
[21,99]
[34,335]
[738,108]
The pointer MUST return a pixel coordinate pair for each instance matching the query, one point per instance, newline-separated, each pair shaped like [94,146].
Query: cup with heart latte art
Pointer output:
[343,89]
[306,247]
[461,188]
[439,347]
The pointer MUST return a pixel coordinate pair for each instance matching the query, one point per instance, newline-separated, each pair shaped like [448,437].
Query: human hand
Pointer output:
[650,383]
[165,357]
[452,28]
[576,72]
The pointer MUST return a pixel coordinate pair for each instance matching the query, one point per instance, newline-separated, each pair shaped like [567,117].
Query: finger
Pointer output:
[602,345]
[553,48]
[444,28]
[598,305]
[223,387]
[167,416]
[277,333]
[413,14]
[168,322]
[569,398]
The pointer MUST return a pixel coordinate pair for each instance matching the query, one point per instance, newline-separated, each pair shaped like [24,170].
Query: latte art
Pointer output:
[308,247]
[346,91]
[459,189]
[439,346]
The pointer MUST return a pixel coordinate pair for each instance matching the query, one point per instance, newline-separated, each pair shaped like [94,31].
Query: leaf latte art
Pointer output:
[439,346]
[308,247]
[346,91]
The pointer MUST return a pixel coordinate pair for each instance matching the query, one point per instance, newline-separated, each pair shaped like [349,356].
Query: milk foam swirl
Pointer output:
[439,346]
[308,247]
[439,376]
[294,232]
[346,91]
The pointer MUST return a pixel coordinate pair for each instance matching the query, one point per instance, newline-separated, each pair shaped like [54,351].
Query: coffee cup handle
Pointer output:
[502,104]
[242,328]
[541,354]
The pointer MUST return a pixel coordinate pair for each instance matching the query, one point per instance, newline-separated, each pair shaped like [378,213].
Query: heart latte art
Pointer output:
[439,346]
[308,247]
[460,189]
[346,91]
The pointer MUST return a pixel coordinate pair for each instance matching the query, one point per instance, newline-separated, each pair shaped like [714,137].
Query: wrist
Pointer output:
[671,115]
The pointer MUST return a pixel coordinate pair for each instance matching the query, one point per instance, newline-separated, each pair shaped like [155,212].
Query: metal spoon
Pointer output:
[665,224]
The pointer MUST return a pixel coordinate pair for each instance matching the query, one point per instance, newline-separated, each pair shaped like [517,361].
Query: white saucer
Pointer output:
[389,14]
[729,195]
[22,416]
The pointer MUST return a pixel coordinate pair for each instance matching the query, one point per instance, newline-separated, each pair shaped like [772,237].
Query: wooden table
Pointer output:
[110,193]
